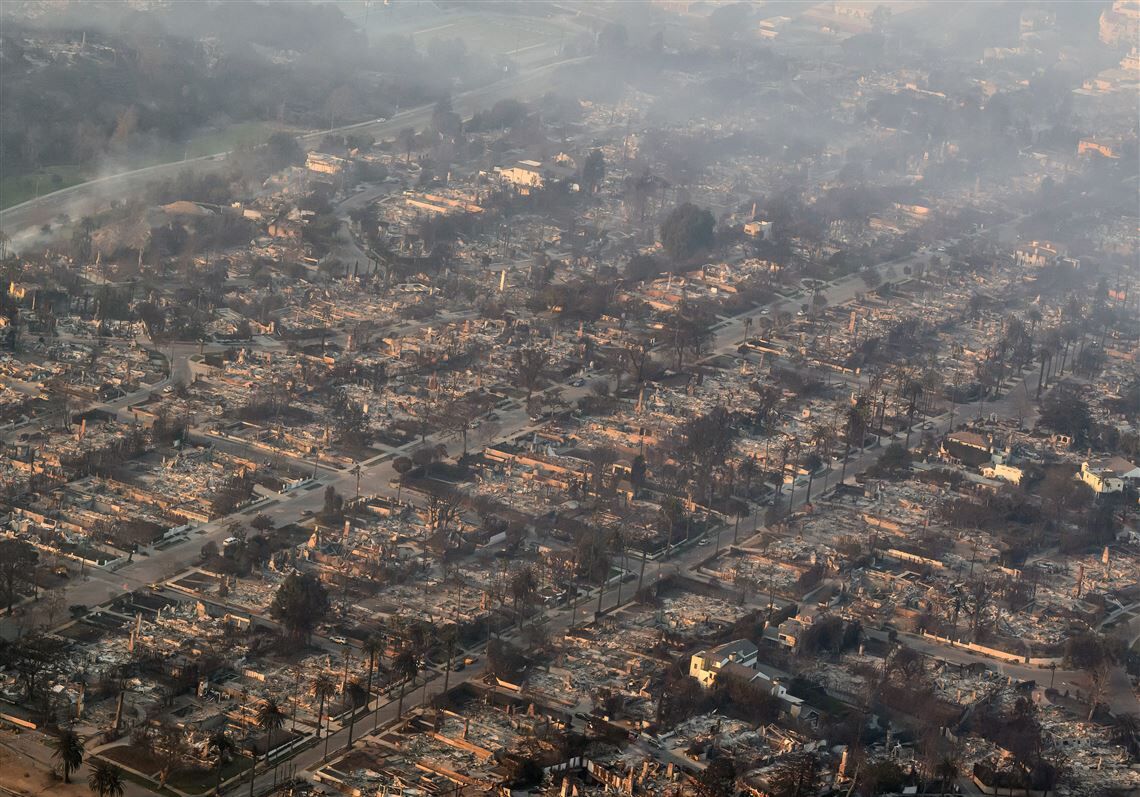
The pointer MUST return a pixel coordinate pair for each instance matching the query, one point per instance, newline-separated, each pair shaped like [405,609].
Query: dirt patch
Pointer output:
[23,776]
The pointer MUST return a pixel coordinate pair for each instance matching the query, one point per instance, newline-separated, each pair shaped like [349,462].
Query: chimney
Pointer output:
[119,711]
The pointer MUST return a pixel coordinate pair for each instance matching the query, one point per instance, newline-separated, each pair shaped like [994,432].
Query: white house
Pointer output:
[705,664]
[525,174]
[999,470]
[1108,475]
[738,660]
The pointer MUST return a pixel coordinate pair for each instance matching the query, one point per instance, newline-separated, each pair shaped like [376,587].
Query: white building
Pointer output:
[705,664]
[738,660]
[1108,475]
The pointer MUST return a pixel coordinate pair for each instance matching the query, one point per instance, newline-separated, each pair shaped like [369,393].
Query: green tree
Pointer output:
[689,328]
[504,660]
[612,39]
[17,568]
[529,366]
[67,749]
[642,267]
[283,150]
[300,604]
[106,780]
[323,688]
[374,647]
[593,171]
[524,587]
[687,230]
[1067,413]
[895,458]
[270,718]
[407,139]
[708,442]
[405,667]
[1097,655]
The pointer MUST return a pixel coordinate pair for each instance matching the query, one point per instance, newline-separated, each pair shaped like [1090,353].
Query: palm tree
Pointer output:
[856,429]
[374,647]
[748,470]
[405,667]
[323,689]
[1034,316]
[822,437]
[786,452]
[794,449]
[450,635]
[946,771]
[106,780]
[221,747]
[913,392]
[270,718]
[69,752]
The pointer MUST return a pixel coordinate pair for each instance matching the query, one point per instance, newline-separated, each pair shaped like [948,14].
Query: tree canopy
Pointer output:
[687,230]
[300,604]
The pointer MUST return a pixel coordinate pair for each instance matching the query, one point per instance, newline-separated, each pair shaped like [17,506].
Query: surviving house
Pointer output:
[706,664]
[1108,475]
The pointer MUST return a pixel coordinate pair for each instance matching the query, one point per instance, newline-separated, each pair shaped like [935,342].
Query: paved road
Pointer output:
[101,586]
[556,621]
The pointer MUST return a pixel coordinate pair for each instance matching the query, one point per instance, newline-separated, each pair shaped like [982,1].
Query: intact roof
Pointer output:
[740,648]
[1117,465]
[967,438]
[734,670]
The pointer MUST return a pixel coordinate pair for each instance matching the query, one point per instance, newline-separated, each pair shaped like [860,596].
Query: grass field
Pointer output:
[21,188]
[207,141]
[210,142]
[488,34]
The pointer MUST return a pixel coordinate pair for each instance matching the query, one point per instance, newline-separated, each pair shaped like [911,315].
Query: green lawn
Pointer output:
[213,141]
[488,34]
[21,188]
